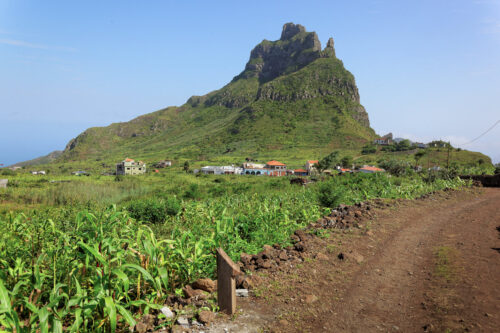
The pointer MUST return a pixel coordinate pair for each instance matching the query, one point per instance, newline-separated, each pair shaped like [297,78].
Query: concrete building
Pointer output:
[310,166]
[271,168]
[130,167]
[276,168]
[164,164]
[300,172]
[3,183]
[384,141]
[222,170]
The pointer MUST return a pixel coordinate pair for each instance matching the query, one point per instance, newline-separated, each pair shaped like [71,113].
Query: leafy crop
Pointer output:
[100,269]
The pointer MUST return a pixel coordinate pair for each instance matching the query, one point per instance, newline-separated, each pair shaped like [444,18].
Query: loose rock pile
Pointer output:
[345,217]
[196,295]
[276,258]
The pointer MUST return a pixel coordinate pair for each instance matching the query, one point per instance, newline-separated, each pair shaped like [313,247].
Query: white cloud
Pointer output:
[21,43]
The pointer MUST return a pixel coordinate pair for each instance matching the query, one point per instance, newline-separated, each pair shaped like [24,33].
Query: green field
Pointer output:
[96,253]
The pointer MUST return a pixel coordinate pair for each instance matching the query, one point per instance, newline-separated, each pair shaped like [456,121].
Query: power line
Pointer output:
[489,129]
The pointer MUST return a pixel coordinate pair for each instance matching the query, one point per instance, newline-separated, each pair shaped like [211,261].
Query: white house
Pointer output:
[221,170]
[310,166]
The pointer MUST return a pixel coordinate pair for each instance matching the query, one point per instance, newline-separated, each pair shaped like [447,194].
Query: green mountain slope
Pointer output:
[292,96]
[40,160]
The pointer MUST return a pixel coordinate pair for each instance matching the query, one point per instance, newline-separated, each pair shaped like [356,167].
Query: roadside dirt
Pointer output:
[427,265]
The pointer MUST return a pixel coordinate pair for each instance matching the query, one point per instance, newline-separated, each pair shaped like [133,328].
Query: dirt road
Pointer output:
[439,272]
[429,265]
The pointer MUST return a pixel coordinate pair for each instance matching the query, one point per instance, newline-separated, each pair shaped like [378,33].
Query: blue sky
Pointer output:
[426,69]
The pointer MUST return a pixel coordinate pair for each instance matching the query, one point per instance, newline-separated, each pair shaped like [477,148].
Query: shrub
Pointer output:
[396,167]
[368,149]
[150,210]
[330,195]
[173,206]
[7,172]
[193,192]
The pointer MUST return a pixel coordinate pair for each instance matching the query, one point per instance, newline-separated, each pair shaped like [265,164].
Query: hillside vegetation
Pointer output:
[292,97]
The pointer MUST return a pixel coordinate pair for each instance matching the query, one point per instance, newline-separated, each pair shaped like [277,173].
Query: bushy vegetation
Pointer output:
[85,265]
[153,210]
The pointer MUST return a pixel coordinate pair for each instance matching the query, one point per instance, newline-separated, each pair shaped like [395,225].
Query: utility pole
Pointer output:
[448,158]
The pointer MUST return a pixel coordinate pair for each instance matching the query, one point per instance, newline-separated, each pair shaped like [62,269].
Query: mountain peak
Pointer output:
[290,30]
[295,49]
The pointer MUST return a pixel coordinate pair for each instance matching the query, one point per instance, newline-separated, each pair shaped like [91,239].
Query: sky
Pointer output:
[426,69]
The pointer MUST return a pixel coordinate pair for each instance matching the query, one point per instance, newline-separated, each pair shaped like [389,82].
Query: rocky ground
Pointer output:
[426,265]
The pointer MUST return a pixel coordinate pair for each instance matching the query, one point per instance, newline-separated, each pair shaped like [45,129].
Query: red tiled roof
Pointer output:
[345,170]
[299,170]
[370,168]
[275,163]
[312,162]
[129,160]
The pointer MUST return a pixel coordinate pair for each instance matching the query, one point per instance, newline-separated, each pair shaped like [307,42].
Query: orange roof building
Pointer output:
[275,163]
[130,167]
[370,169]
[276,168]
[310,165]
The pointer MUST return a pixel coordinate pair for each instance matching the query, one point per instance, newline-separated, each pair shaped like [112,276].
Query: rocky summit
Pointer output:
[292,95]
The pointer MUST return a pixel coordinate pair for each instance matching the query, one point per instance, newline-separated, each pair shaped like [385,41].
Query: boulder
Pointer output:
[246,259]
[241,292]
[251,281]
[311,299]
[189,292]
[300,247]
[206,317]
[321,256]
[167,312]
[301,234]
[204,284]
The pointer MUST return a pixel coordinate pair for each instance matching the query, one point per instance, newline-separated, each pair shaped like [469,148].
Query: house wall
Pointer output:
[130,168]
[256,171]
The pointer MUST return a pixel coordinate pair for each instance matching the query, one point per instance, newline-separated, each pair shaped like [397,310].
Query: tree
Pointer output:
[346,161]
[186,166]
[327,161]
[403,145]
[418,156]
[368,149]
[497,168]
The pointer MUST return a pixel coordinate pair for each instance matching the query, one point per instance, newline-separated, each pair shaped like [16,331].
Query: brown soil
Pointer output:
[429,265]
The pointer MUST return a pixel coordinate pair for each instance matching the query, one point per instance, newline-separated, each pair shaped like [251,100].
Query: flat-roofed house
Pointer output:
[3,183]
[222,170]
[254,169]
[130,167]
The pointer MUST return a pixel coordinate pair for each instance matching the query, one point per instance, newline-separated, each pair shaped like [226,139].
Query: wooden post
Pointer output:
[226,284]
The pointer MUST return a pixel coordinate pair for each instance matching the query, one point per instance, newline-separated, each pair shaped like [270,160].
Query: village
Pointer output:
[272,168]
